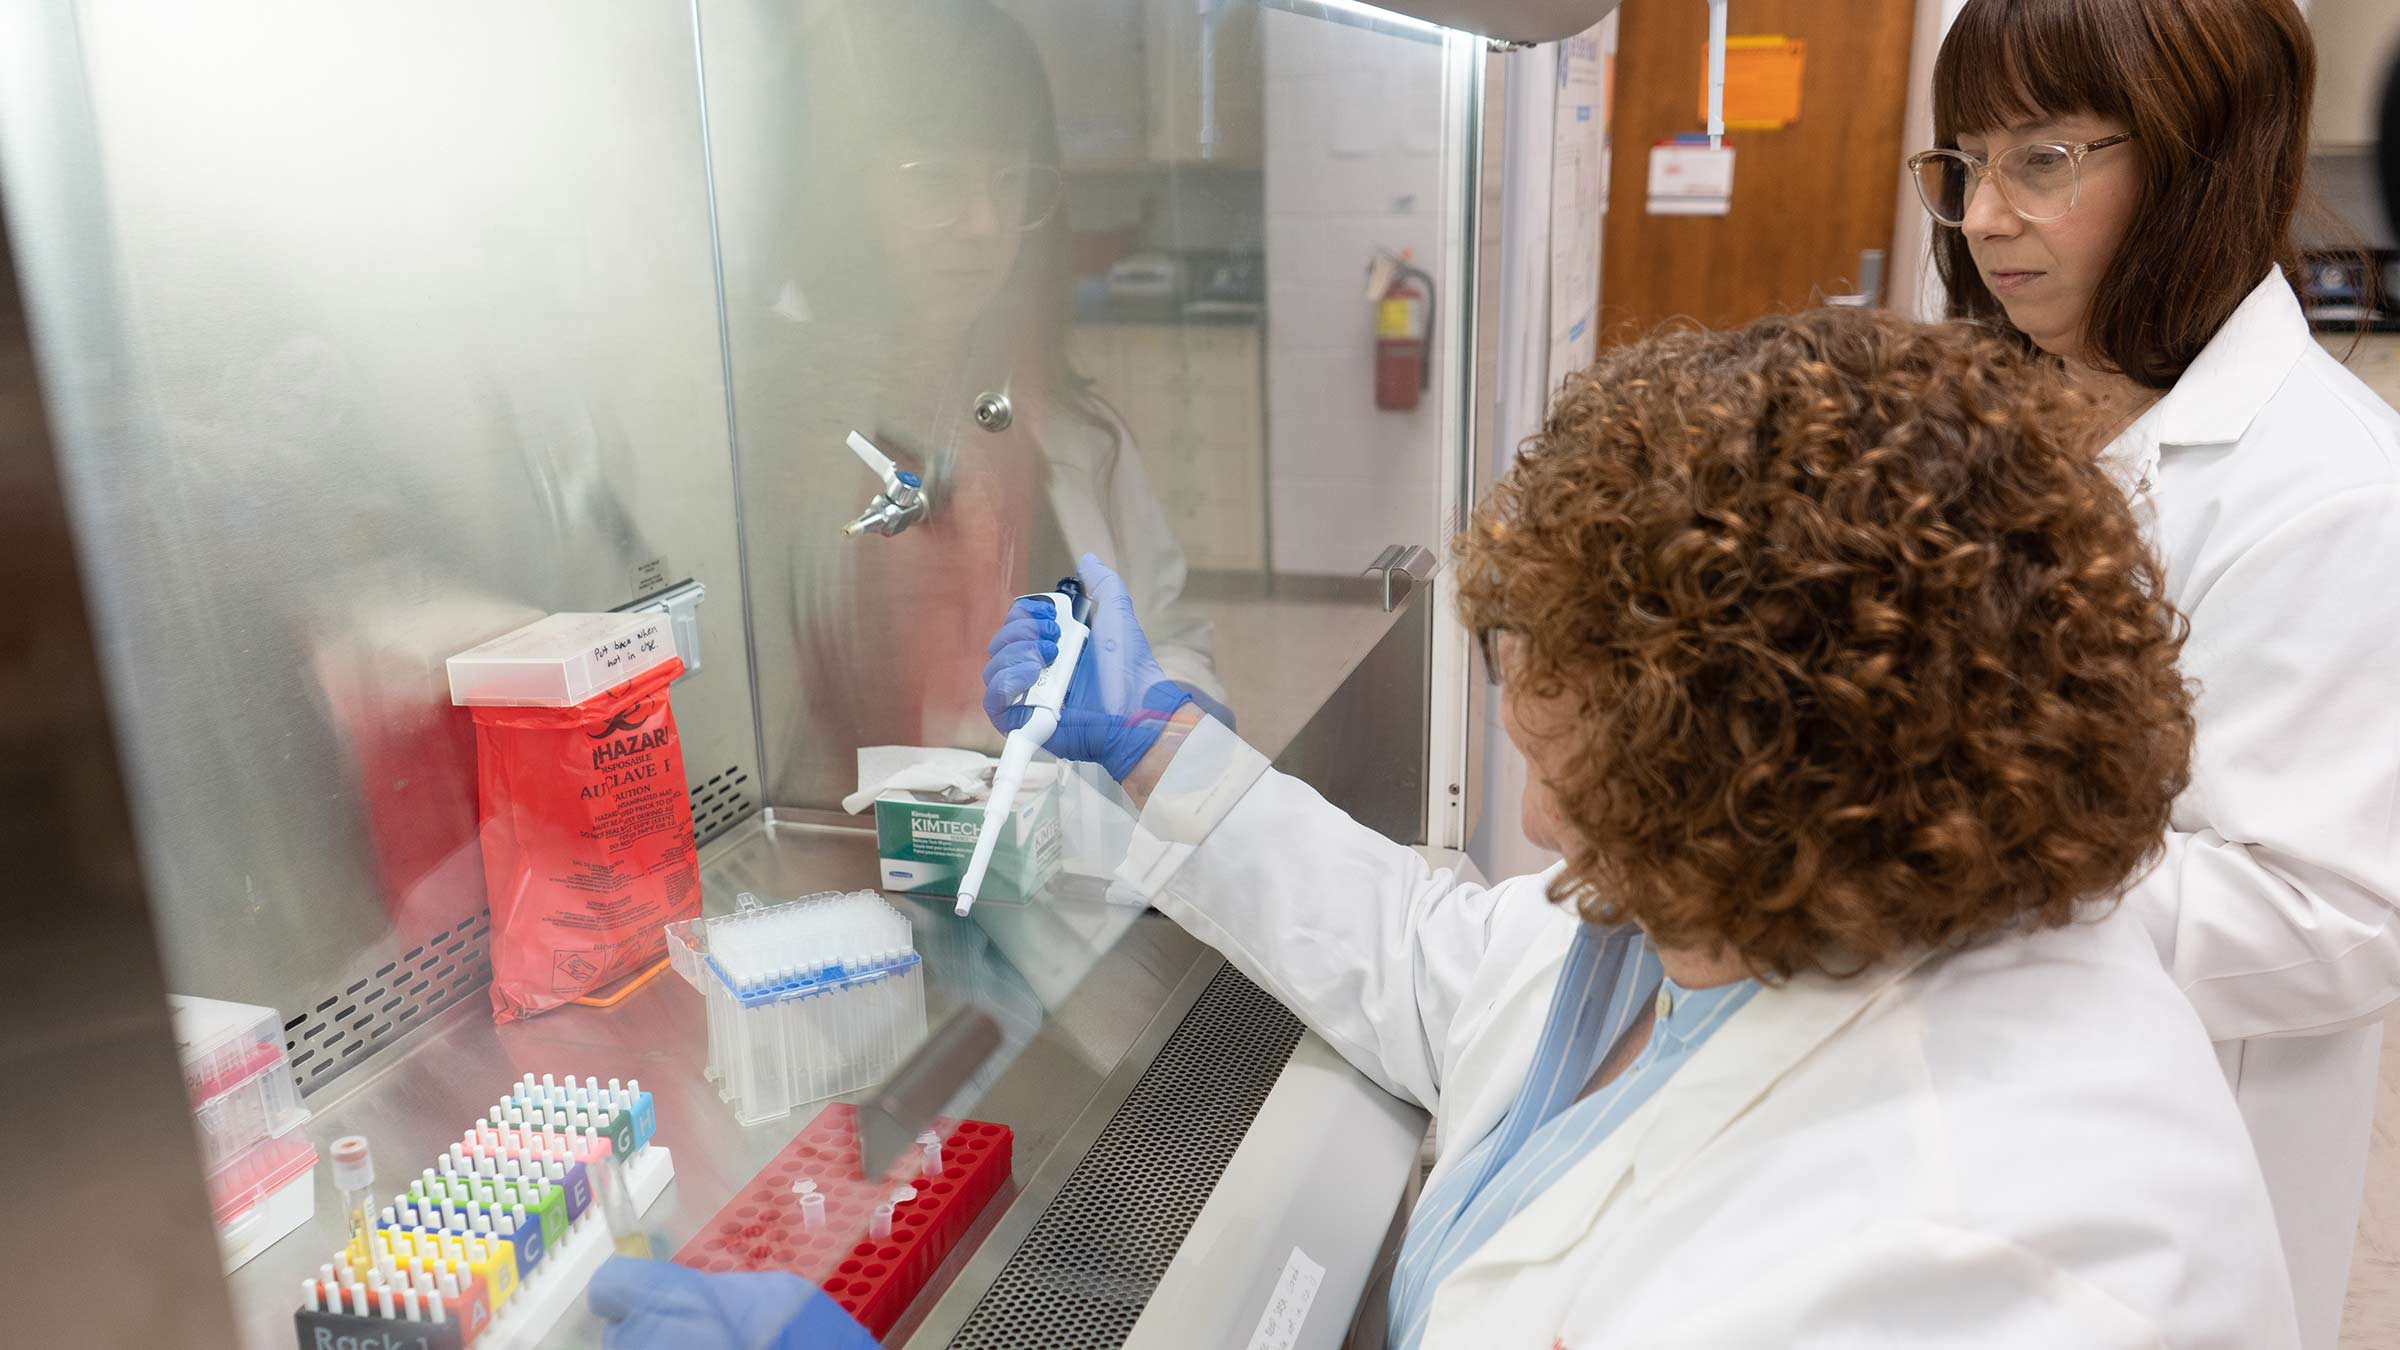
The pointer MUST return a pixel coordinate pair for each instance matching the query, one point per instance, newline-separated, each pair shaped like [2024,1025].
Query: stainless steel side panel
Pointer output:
[375,331]
[102,1172]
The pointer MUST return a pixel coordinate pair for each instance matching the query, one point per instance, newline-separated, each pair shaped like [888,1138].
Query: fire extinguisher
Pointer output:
[1403,328]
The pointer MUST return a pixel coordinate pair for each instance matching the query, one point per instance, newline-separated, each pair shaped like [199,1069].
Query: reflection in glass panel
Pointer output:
[1139,236]
[1098,274]
[354,391]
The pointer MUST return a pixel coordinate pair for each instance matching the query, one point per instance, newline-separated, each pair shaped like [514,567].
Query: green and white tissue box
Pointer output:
[925,844]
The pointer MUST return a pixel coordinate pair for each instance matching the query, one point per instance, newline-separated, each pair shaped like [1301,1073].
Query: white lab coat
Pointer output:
[1101,497]
[2027,1144]
[2274,498]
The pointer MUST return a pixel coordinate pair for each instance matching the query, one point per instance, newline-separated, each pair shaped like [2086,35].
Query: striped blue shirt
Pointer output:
[1610,973]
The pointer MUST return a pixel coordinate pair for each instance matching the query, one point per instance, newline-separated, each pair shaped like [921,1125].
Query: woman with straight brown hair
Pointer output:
[2119,179]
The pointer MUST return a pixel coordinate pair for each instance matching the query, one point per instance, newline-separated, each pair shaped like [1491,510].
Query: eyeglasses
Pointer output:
[2039,182]
[1487,645]
[935,193]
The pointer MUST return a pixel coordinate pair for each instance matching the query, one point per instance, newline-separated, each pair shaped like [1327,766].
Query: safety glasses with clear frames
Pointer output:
[935,194]
[2039,181]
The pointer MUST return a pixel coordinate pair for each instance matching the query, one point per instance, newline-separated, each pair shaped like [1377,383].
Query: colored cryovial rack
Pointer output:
[445,1305]
[529,1214]
[805,1210]
[807,999]
[621,1111]
[491,1245]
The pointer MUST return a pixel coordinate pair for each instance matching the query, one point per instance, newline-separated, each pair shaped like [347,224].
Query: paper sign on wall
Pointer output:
[1578,193]
[1762,81]
[1690,180]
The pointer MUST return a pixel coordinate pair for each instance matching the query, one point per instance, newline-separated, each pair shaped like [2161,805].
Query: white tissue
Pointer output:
[919,768]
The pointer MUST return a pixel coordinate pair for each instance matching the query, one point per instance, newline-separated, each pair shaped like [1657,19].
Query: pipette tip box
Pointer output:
[807,999]
[246,1110]
[268,1191]
[238,1074]
[768,1226]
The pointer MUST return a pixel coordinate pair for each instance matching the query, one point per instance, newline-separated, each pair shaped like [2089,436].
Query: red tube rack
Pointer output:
[873,1280]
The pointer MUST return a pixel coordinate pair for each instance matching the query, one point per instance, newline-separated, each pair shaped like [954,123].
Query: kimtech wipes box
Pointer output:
[925,843]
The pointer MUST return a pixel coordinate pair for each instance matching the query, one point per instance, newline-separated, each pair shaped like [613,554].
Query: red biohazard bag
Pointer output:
[587,841]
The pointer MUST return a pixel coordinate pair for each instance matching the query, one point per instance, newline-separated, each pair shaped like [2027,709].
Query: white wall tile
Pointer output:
[1310,317]
[1336,247]
[1334,526]
[1328,426]
[1344,178]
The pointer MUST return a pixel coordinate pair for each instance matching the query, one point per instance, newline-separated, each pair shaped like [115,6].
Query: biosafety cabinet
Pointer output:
[364,334]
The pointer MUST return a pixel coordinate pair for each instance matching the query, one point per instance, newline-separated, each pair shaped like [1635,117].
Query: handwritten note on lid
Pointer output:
[1288,1303]
[560,661]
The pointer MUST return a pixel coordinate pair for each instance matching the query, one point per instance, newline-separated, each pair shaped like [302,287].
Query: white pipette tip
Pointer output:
[966,901]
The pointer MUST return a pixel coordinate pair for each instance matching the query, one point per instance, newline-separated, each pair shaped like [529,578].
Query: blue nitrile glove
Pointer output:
[1119,700]
[658,1305]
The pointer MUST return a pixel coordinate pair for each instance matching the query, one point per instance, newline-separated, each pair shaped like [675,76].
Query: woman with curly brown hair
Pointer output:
[2117,182]
[1851,699]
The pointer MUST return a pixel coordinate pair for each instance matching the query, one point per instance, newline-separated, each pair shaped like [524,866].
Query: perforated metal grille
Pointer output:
[721,803]
[372,1011]
[376,1009]
[1082,1275]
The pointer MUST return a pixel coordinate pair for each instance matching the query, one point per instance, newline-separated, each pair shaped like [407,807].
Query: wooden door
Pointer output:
[1807,198]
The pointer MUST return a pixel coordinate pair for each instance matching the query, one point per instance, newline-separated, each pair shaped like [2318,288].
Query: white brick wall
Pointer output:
[1353,165]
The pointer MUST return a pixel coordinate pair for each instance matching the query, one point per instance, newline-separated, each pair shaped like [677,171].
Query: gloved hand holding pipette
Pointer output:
[658,1305]
[1119,699]
[1078,681]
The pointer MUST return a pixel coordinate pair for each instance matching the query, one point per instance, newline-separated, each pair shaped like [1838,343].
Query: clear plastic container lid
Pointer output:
[560,661]
[256,1173]
[238,1075]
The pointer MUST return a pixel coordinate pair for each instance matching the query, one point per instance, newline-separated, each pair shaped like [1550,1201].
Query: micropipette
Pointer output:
[1073,610]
